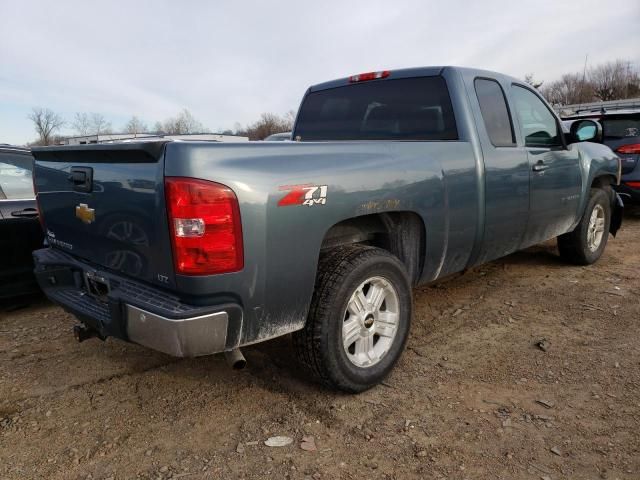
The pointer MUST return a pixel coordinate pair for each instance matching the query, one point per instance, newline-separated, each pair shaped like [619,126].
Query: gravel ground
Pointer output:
[473,397]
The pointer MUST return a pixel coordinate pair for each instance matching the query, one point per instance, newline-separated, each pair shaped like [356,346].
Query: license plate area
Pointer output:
[97,286]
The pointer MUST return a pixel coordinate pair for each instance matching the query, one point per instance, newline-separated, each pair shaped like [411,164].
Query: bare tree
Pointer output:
[290,118]
[614,80]
[158,128]
[135,126]
[99,124]
[81,123]
[90,124]
[46,123]
[268,124]
[532,81]
[571,88]
[183,123]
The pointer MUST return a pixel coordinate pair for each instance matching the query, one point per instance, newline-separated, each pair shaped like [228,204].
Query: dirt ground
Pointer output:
[473,397]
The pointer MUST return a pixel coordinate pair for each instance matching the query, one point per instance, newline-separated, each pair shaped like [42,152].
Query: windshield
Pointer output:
[403,109]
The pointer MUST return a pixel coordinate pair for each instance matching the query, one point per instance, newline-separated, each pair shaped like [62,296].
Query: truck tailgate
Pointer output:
[105,204]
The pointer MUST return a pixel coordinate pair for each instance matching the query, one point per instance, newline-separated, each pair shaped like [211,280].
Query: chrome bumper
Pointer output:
[188,337]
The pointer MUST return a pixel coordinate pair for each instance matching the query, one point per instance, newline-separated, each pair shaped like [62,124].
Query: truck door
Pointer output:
[555,178]
[20,231]
[506,172]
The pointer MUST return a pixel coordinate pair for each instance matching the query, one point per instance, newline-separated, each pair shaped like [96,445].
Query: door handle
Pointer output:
[539,167]
[26,213]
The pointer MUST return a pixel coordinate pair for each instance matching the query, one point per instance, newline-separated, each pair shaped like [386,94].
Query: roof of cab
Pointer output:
[415,72]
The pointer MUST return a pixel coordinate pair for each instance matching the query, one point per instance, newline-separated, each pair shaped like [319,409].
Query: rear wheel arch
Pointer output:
[403,234]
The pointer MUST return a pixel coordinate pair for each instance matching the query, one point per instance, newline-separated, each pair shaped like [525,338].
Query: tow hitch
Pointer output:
[82,333]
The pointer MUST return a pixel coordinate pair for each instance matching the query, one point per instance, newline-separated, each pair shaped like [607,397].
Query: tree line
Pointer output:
[615,80]
[48,125]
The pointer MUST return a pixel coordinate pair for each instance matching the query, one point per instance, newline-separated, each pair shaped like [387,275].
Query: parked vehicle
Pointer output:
[396,179]
[20,231]
[620,131]
[278,137]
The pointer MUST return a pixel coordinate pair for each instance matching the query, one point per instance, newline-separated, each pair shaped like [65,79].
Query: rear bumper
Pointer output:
[136,312]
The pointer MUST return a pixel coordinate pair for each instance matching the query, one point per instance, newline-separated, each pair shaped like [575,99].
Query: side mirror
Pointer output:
[586,131]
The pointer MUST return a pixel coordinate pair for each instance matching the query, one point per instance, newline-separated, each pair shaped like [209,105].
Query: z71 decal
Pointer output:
[308,195]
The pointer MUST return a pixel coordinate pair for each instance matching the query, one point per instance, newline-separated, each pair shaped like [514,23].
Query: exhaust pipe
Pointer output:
[235,359]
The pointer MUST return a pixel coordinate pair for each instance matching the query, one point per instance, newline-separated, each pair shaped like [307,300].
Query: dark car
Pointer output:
[620,132]
[20,231]
[278,137]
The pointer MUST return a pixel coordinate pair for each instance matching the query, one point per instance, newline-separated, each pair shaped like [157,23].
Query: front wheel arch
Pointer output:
[577,246]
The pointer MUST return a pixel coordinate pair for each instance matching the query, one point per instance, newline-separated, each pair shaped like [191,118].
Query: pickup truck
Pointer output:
[394,179]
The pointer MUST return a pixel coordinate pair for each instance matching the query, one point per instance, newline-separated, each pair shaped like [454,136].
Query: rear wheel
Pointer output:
[359,318]
[585,244]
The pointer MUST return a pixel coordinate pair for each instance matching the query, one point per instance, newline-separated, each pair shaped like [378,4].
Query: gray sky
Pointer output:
[229,61]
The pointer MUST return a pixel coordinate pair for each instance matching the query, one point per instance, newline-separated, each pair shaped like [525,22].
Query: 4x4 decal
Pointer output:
[308,195]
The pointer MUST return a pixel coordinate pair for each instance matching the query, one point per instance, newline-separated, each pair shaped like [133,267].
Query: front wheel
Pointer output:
[585,244]
[359,318]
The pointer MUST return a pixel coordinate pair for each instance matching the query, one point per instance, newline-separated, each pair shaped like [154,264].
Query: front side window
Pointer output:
[495,113]
[402,109]
[15,176]
[539,126]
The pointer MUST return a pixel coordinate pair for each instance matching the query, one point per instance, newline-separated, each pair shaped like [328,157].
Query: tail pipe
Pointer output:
[235,359]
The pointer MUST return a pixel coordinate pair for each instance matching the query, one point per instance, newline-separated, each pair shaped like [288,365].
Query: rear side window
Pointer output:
[403,109]
[495,112]
[15,176]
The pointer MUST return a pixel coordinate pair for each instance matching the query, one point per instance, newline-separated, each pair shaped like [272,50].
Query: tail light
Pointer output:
[364,77]
[633,148]
[632,184]
[204,220]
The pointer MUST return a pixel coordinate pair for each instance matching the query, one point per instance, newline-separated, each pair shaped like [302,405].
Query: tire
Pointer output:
[378,340]
[582,246]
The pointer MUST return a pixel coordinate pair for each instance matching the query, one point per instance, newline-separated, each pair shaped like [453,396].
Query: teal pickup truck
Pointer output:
[393,179]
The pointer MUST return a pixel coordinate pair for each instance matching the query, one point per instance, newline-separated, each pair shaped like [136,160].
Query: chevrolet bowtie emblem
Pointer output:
[86,214]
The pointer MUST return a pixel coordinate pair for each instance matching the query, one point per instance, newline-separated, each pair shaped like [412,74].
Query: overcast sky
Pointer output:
[229,61]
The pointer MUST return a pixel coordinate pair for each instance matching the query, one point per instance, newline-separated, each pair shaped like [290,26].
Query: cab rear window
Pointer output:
[402,109]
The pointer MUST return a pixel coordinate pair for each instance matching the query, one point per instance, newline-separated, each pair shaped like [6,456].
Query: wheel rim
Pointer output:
[370,322]
[595,231]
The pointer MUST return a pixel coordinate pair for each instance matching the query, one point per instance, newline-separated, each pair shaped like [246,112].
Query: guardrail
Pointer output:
[599,107]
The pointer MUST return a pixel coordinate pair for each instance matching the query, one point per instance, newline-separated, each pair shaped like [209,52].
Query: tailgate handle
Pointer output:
[82,178]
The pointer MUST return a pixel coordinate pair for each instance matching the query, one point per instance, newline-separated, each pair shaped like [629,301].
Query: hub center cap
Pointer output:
[368,321]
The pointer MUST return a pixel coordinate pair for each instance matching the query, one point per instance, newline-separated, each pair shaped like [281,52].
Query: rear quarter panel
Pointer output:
[282,243]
